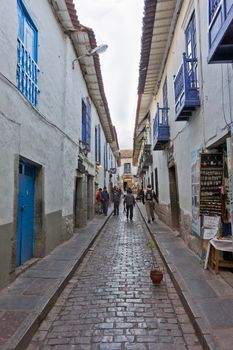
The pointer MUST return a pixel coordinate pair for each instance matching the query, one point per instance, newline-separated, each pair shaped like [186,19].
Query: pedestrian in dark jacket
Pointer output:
[105,200]
[129,201]
[116,197]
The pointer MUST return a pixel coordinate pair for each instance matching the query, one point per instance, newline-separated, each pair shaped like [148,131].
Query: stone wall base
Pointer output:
[194,242]
[67,227]
[164,213]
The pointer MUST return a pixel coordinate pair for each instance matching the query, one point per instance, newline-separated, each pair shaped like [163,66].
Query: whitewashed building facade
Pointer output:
[185,98]
[55,129]
[127,171]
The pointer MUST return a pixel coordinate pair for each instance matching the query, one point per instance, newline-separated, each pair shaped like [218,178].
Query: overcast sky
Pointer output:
[117,23]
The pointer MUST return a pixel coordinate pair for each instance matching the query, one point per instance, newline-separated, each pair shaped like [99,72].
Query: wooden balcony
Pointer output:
[220,31]
[161,128]
[186,89]
[146,156]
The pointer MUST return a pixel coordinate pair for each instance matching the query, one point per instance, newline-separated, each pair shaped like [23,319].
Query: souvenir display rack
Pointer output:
[211,173]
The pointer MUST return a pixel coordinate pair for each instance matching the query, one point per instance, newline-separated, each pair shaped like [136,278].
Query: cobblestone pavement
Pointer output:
[111,304]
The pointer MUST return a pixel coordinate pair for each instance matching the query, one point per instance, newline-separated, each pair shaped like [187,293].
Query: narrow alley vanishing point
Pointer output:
[110,302]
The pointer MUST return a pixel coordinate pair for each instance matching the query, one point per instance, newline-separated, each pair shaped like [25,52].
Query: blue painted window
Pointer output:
[27,55]
[165,99]
[86,124]
[106,156]
[97,144]
[111,161]
[191,50]
[127,168]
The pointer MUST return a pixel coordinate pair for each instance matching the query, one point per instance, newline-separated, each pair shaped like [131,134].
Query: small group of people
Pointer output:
[148,198]
[102,199]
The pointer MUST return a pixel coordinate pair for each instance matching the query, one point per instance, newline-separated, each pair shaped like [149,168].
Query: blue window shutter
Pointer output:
[84,123]
[20,22]
[27,55]
[165,99]
[88,124]
[106,156]
[191,48]
[99,143]
[190,36]
[96,144]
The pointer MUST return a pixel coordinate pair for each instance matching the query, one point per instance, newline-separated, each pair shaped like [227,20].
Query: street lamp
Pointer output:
[98,49]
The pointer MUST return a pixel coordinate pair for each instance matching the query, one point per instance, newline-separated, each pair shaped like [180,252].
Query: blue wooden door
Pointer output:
[25,227]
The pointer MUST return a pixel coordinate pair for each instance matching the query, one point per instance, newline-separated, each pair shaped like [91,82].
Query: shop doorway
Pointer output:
[174,198]
[90,197]
[78,202]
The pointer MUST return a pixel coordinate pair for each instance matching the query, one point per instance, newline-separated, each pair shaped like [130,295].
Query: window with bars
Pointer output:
[27,53]
[86,124]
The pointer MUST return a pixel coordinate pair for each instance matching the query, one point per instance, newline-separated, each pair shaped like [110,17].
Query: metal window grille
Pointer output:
[27,68]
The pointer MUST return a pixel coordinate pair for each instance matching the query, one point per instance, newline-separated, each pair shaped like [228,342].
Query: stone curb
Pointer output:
[24,334]
[198,322]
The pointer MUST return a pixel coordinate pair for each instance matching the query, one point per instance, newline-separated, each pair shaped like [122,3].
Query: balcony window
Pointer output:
[27,52]
[185,81]
[161,128]
[127,168]
[186,89]
[220,31]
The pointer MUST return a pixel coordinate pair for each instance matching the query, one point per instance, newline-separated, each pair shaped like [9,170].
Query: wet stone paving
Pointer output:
[110,302]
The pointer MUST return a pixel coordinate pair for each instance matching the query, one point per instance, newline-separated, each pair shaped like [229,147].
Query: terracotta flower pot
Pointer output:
[156,276]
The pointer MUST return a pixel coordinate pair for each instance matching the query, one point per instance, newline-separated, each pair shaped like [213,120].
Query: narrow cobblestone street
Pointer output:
[110,302]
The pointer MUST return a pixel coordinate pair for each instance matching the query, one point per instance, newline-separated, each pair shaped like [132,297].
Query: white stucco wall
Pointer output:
[48,135]
[207,124]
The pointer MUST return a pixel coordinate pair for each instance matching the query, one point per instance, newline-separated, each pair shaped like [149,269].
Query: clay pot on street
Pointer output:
[156,276]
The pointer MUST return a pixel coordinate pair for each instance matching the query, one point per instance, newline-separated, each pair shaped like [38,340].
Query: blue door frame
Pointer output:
[25,226]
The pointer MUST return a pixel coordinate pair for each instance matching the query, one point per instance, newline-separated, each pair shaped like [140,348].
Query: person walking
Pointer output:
[105,200]
[129,201]
[116,197]
[98,201]
[149,201]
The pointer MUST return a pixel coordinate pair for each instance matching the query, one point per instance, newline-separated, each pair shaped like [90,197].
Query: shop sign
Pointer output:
[195,173]
[210,183]
[112,170]
[210,226]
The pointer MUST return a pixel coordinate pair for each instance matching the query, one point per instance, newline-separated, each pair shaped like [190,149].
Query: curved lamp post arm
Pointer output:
[96,50]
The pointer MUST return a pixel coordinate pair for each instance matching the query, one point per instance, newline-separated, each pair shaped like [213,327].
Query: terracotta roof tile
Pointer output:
[147,34]
[91,35]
